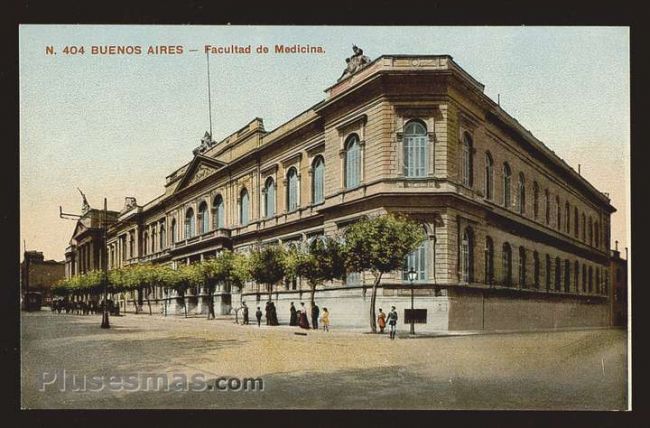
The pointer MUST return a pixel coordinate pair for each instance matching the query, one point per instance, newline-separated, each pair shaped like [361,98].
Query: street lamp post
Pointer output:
[412,275]
[105,321]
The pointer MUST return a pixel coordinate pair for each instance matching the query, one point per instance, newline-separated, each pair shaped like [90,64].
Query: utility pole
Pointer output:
[104,260]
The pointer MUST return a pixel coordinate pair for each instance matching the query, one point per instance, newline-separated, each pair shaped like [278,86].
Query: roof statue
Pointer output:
[206,143]
[354,63]
[85,207]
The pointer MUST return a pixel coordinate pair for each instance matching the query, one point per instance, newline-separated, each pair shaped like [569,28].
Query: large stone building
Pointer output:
[87,245]
[516,237]
[38,274]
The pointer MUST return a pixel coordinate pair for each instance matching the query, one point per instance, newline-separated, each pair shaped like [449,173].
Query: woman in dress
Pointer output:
[381,320]
[302,319]
[325,320]
[293,319]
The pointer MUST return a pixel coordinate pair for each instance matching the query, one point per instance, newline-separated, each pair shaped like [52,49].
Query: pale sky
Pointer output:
[115,126]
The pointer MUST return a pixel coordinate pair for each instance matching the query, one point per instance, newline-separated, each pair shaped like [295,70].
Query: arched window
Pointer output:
[243,207]
[467,162]
[584,227]
[598,280]
[567,276]
[352,162]
[521,194]
[163,235]
[467,256]
[174,233]
[576,275]
[584,278]
[567,217]
[576,222]
[189,223]
[489,176]
[591,279]
[489,261]
[145,244]
[558,213]
[535,199]
[507,265]
[203,218]
[292,189]
[558,274]
[269,198]
[153,239]
[506,185]
[547,206]
[417,261]
[548,272]
[131,244]
[522,267]
[536,269]
[596,235]
[218,212]
[416,149]
[318,180]
[590,230]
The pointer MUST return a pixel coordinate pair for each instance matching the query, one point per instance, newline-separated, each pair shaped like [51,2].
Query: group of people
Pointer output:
[297,317]
[392,321]
[80,308]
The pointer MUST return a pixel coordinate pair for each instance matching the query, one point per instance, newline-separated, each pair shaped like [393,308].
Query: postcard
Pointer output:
[324,217]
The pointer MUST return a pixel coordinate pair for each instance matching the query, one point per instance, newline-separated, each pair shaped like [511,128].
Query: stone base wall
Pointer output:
[460,309]
[472,309]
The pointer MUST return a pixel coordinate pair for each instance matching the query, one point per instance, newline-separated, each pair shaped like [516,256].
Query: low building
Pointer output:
[516,237]
[38,274]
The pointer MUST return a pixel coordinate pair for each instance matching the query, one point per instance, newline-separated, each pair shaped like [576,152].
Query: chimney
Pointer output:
[625,253]
[616,245]
[578,169]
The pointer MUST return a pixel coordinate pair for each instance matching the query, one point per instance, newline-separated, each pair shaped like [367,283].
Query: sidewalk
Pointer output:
[402,332]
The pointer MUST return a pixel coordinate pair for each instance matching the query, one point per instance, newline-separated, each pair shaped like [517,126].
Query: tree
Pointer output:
[322,260]
[267,266]
[380,245]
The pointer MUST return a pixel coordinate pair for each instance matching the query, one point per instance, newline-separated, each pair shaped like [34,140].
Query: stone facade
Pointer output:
[462,132]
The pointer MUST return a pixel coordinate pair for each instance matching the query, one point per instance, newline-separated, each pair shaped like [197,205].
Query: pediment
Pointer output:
[79,229]
[199,169]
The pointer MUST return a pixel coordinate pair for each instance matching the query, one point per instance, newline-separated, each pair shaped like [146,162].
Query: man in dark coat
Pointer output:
[267,312]
[293,319]
[315,311]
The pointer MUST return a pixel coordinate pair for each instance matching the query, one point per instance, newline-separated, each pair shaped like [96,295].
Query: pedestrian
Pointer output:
[267,312]
[258,315]
[381,321]
[273,314]
[245,313]
[293,318]
[392,322]
[325,320]
[302,317]
[315,311]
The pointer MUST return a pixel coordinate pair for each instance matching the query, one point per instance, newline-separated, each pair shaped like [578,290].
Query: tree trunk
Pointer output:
[313,293]
[373,299]
[149,300]
[270,289]
[184,304]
